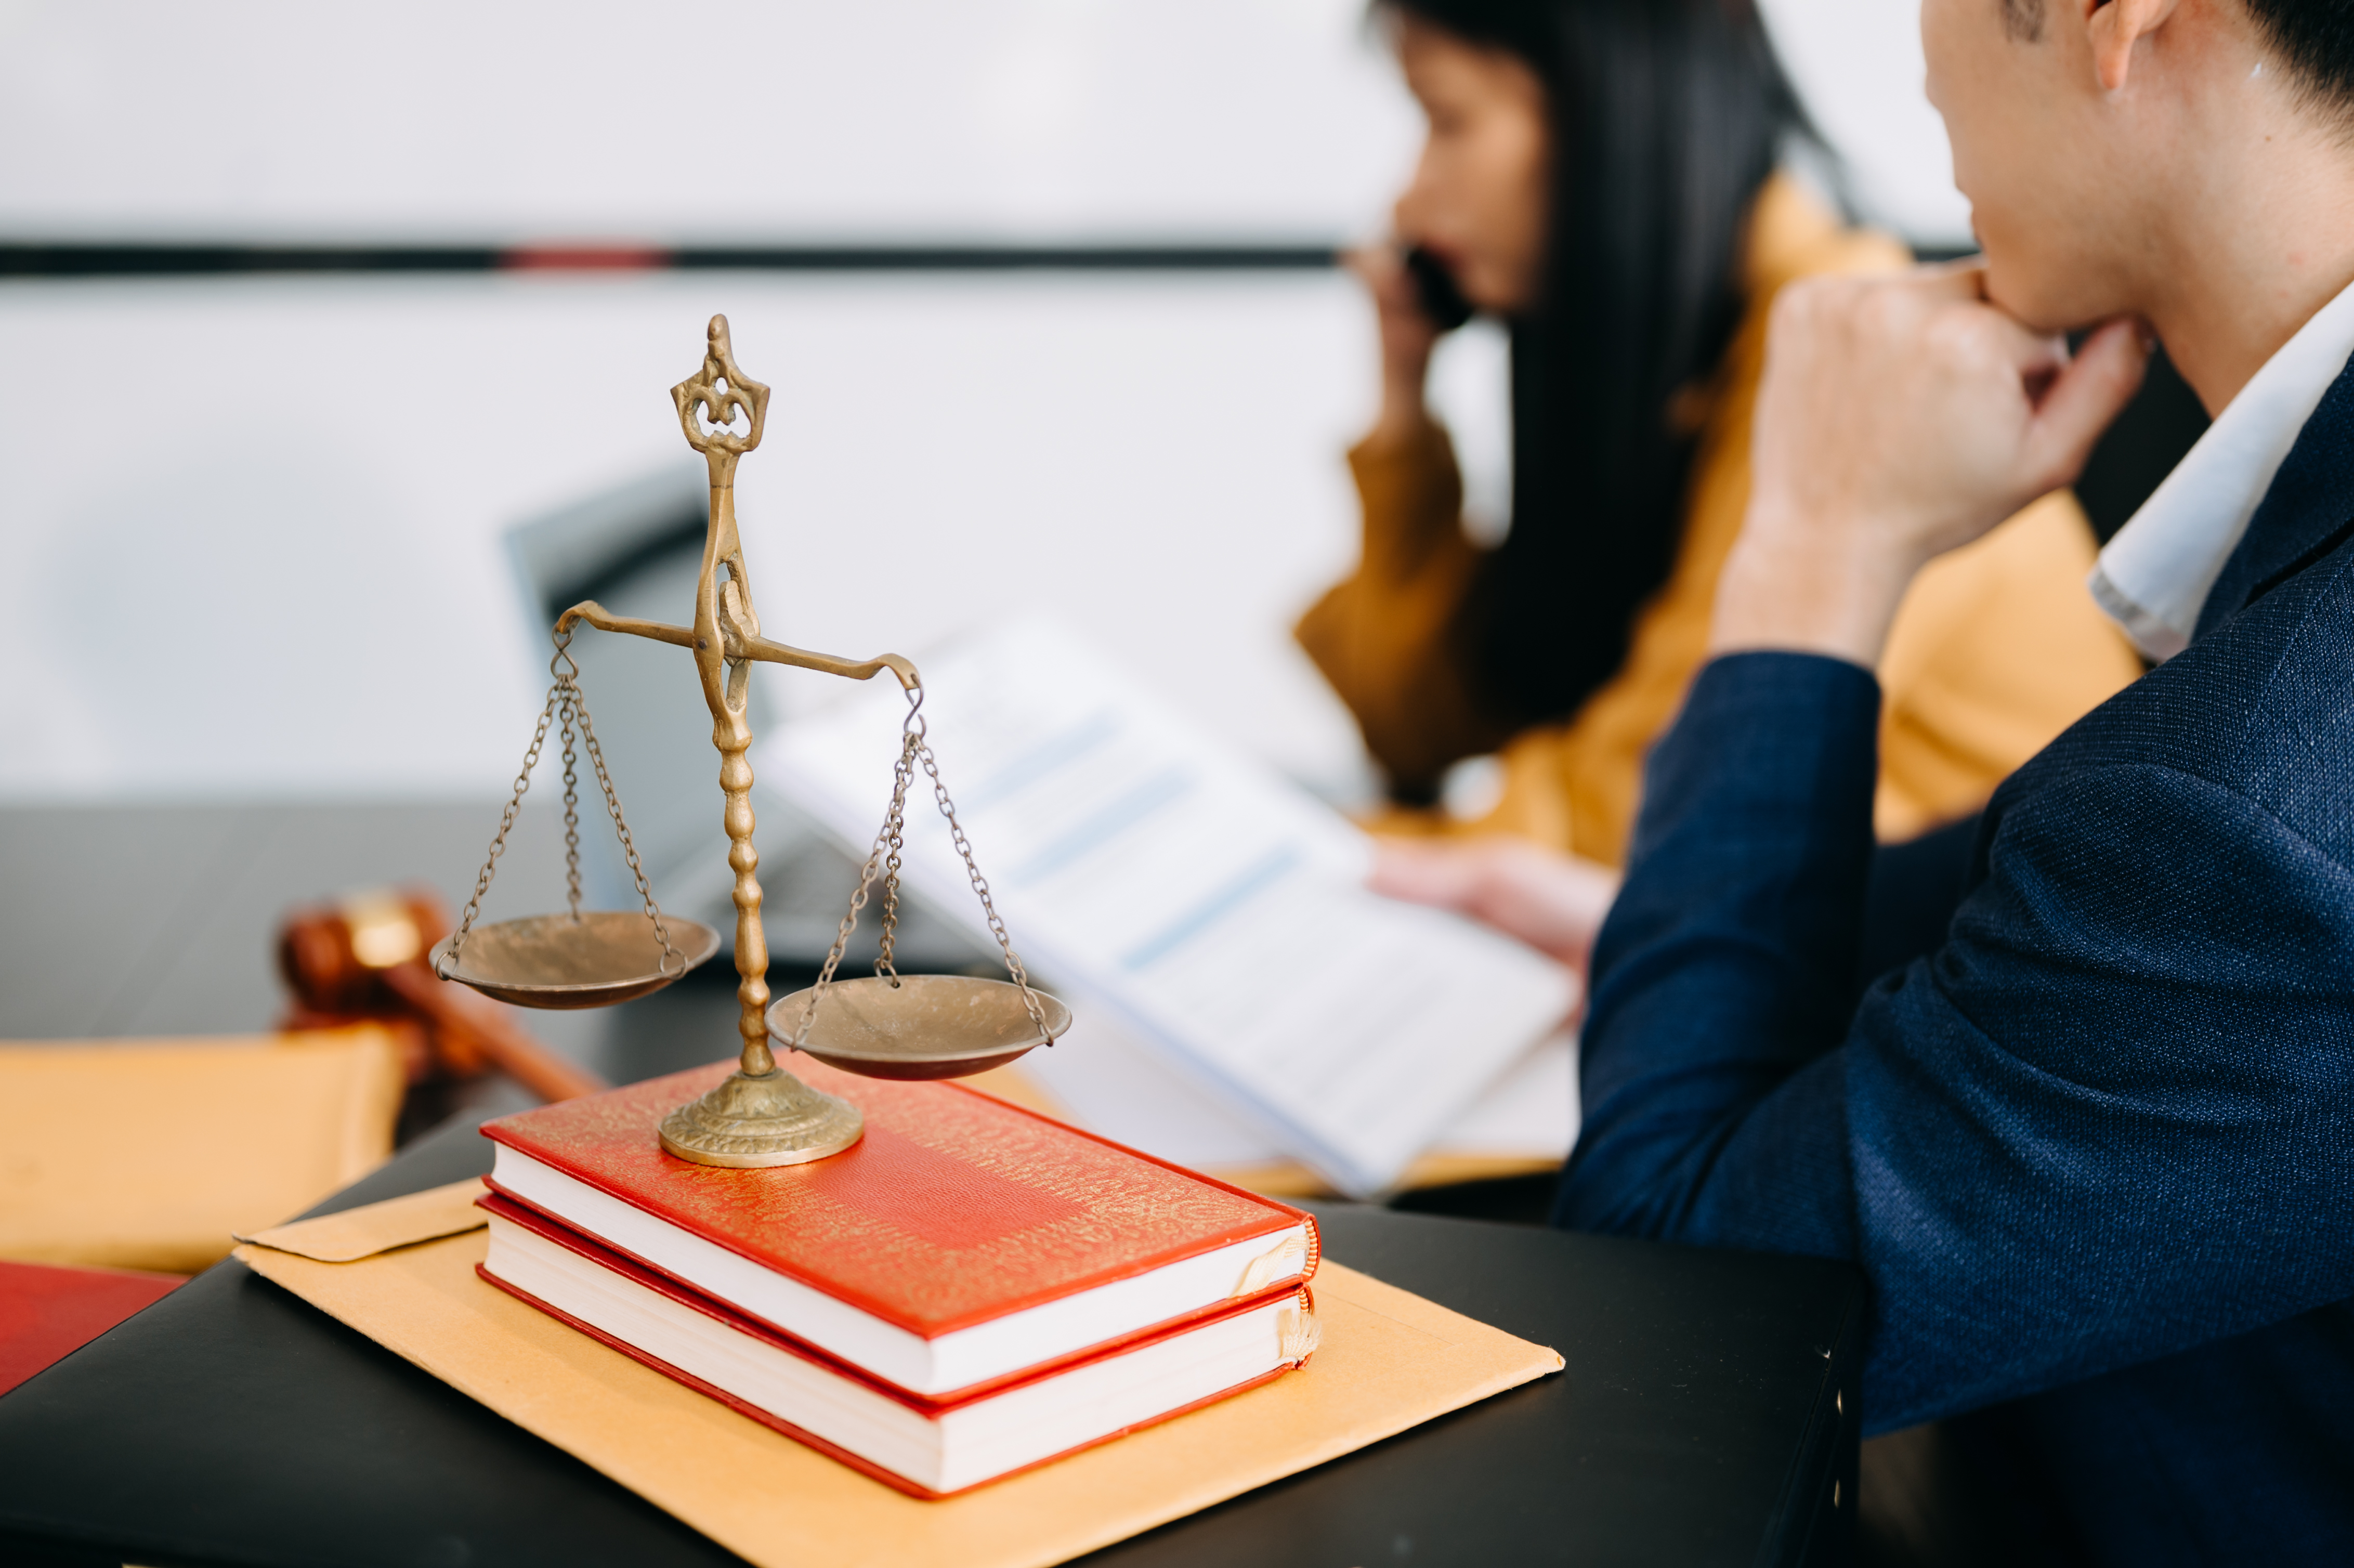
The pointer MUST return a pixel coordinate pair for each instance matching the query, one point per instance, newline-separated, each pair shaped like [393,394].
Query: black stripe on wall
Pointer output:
[37,258]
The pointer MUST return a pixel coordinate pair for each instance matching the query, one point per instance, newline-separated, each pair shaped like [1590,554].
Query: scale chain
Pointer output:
[506,821]
[980,883]
[571,800]
[915,751]
[895,829]
[566,701]
[893,821]
[629,849]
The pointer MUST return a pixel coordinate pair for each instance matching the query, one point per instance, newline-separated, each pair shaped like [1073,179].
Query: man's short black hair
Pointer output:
[2315,39]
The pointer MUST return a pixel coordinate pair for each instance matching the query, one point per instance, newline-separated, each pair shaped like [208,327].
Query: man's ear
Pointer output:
[2114,26]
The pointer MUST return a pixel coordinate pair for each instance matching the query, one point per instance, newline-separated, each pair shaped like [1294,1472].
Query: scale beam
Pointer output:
[735,646]
[769,652]
[604,619]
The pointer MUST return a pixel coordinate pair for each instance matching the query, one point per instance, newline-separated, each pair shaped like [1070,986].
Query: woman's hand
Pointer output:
[1556,903]
[1408,338]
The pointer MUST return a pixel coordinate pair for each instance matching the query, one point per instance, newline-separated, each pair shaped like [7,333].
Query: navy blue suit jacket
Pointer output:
[2095,1154]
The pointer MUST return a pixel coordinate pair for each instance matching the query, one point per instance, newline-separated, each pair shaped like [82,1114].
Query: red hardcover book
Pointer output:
[928,1447]
[48,1312]
[960,1241]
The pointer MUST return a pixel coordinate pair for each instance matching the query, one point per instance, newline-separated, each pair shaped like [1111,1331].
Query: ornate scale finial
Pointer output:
[719,393]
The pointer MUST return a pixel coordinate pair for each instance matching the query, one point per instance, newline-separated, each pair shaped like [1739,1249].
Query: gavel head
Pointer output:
[333,956]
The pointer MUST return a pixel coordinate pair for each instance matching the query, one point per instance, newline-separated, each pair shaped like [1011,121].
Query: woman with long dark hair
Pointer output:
[1602,175]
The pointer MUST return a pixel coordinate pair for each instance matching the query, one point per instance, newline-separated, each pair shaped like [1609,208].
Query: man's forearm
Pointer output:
[1791,587]
[1727,963]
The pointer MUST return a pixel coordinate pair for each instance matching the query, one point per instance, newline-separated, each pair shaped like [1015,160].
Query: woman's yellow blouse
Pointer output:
[1996,648]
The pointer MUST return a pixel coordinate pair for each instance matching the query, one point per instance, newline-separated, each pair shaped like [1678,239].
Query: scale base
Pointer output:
[753,1123]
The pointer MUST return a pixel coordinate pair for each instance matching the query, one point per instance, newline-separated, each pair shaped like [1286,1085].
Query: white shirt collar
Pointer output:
[2156,574]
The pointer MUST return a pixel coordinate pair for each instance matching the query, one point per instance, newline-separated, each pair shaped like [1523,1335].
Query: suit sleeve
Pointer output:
[2108,1120]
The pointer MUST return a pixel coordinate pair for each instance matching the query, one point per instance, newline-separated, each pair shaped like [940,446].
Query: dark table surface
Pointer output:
[161,919]
[1705,1416]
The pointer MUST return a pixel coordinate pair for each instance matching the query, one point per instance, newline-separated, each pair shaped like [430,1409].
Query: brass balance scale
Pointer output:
[888,1026]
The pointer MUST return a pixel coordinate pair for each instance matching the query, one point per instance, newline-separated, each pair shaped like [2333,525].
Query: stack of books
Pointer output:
[971,1290]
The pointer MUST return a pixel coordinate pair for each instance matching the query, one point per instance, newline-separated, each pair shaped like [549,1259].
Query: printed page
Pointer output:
[1530,1112]
[1216,909]
[1110,1082]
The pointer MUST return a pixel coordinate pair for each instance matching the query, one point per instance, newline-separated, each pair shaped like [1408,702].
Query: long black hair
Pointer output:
[1668,116]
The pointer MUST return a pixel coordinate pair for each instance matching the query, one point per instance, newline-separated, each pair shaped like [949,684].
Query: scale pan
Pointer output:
[551,961]
[928,1026]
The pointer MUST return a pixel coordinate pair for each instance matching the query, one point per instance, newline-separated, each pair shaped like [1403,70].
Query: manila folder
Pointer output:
[1389,1359]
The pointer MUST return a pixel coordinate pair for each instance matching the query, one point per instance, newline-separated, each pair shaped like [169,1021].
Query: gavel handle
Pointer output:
[515,1052]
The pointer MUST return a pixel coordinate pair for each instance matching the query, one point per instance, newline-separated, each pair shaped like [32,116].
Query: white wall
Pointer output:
[250,534]
[249,527]
[507,118]
[1857,63]
[517,119]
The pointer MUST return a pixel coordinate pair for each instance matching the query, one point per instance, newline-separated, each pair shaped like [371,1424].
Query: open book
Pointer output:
[1214,911]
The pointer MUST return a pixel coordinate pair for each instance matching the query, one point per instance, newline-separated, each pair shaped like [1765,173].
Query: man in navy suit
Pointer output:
[2095,1154]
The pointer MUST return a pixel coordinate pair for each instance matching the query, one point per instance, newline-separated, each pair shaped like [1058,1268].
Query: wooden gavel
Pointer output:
[365,957]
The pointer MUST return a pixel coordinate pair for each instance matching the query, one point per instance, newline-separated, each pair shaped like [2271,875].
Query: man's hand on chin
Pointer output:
[1898,418]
